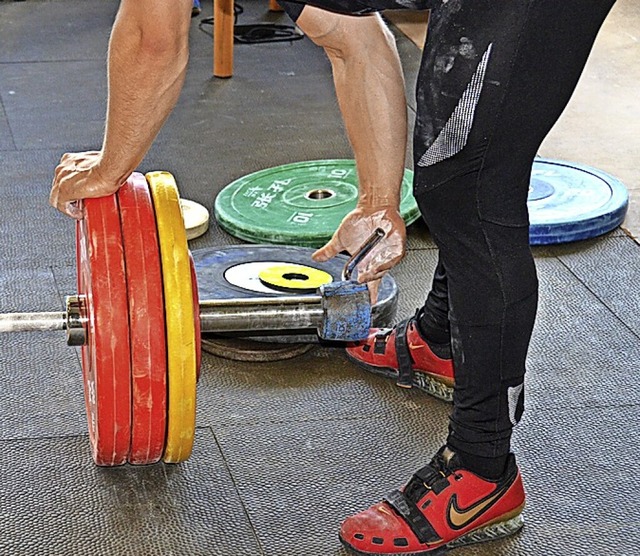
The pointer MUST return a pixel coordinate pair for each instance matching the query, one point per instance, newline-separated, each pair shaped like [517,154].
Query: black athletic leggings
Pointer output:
[495,76]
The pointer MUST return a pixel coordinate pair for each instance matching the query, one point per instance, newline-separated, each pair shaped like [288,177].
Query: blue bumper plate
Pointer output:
[571,202]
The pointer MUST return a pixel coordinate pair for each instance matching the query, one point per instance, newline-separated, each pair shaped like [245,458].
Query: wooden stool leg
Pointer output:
[223,20]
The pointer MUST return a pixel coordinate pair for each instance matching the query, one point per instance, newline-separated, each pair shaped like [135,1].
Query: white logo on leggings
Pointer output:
[513,395]
[454,135]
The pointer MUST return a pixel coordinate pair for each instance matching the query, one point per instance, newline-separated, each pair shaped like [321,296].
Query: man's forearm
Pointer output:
[148,54]
[372,101]
[370,90]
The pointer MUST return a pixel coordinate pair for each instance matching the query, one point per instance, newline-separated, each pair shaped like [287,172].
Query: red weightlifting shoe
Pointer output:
[402,354]
[442,506]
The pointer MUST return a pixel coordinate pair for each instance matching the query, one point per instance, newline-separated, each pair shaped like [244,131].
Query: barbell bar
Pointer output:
[216,316]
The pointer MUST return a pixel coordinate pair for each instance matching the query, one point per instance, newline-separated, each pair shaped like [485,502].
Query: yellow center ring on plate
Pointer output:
[294,278]
[179,312]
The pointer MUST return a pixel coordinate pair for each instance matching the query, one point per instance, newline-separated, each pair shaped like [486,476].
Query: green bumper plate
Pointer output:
[297,204]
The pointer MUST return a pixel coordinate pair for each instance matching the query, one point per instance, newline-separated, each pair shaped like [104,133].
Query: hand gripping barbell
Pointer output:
[138,319]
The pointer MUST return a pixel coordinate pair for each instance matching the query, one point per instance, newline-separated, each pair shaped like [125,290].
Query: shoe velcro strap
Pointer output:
[427,474]
[380,342]
[423,480]
[405,363]
[419,524]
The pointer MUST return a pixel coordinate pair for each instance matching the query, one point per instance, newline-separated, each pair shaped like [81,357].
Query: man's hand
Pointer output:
[355,229]
[149,46]
[77,177]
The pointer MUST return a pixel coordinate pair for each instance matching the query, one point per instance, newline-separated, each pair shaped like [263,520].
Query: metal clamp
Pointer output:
[346,311]
[76,322]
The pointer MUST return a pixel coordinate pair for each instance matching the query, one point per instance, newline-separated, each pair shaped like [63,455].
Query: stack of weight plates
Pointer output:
[241,272]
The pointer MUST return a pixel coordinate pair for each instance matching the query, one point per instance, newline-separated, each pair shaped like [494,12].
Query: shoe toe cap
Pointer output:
[377,529]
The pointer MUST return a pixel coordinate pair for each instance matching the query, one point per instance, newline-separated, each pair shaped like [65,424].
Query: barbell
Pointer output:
[138,320]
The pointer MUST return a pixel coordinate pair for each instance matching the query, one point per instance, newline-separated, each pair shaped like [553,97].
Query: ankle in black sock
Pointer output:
[487,468]
[438,340]
[431,330]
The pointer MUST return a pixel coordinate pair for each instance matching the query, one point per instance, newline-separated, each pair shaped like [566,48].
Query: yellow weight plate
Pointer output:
[179,312]
[294,277]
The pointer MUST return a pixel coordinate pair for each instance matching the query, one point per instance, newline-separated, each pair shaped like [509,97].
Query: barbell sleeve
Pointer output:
[225,315]
[72,320]
[33,322]
[241,315]
[215,316]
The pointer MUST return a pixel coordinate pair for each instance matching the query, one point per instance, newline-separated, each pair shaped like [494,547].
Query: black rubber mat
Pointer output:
[609,281]
[317,386]
[284,450]
[6,138]
[571,464]
[42,31]
[41,384]
[586,361]
[55,113]
[156,510]
[33,234]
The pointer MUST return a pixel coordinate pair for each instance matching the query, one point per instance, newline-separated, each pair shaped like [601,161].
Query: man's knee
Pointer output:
[344,36]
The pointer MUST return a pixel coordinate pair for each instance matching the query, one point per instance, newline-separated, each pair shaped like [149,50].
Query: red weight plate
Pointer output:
[106,364]
[196,316]
[146,321]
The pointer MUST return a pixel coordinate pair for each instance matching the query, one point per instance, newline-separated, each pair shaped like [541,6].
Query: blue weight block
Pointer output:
[347,311]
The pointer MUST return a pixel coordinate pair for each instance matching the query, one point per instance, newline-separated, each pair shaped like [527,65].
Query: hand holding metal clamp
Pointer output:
[361,253]
[346,304]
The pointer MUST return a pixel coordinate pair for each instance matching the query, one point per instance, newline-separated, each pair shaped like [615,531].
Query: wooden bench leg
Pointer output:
[223,19]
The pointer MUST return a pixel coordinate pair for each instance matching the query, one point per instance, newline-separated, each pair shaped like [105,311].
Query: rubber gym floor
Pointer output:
[285,450]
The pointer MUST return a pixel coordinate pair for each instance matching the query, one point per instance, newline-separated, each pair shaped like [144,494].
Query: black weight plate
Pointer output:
[242,349]
[232,273]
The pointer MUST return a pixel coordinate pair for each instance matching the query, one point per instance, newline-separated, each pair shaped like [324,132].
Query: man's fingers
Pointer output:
[376,266]
[63,196]
[371,276]
[388,264]
[373,286]
[328,251]
[57,171]
[72,209]
[53,195]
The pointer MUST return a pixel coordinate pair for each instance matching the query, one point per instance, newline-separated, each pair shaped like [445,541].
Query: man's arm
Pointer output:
[147,61]
[370,90]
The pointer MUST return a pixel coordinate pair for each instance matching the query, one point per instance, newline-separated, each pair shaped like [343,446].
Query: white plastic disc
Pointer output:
[196,218]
